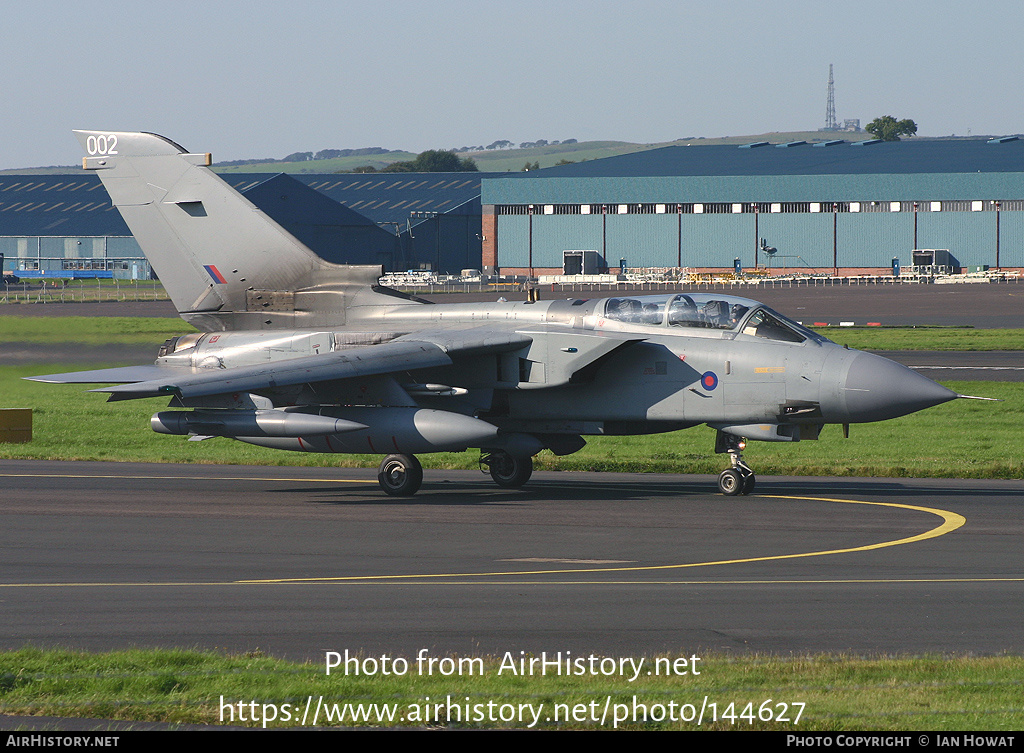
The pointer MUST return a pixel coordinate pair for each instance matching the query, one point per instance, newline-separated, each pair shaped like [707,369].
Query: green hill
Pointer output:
[503,160]
[335,165]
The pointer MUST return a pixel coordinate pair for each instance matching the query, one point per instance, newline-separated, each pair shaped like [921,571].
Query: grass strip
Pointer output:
[143,330]
[925,338]
[960,439]
[839,692]
[91,330]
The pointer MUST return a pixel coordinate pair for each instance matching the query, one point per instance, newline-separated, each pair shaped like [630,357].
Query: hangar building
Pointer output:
[850,207]
[64,225]
[824,207]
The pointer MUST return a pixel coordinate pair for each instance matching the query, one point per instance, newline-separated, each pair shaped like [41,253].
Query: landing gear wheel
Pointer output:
[508,470]
[730,482]
[748,483]
[400,475]
[739,479]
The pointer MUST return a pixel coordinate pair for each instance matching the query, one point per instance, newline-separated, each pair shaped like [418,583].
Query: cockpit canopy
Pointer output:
[707,311]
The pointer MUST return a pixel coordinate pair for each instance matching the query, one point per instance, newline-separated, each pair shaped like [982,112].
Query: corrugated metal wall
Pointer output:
[969,236]
[714,240]
[1011,240]
[804,240]
[643,240]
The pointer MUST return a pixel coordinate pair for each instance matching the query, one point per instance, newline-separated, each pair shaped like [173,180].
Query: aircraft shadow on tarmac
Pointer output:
[469,494]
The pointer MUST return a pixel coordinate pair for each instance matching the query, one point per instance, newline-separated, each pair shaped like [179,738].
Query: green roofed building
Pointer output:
[817,207]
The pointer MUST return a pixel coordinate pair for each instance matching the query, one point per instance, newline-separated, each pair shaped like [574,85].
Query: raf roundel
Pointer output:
[709,380]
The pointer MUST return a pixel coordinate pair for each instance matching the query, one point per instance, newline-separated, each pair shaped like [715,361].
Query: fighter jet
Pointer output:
[296,353]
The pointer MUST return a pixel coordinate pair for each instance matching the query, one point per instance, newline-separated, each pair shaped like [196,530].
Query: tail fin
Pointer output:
[225,264]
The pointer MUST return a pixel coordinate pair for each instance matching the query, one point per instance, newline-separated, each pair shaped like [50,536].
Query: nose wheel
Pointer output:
[400,475]
[740,478]
[733,482]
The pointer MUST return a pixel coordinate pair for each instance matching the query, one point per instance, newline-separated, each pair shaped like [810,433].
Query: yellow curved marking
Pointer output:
[804,582]
[950,522]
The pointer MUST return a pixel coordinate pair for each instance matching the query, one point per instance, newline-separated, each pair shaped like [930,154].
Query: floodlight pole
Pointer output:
[529,211]
[915,225]
[757,235]
[835,239]
[679,250]
[604,232]
[998,205]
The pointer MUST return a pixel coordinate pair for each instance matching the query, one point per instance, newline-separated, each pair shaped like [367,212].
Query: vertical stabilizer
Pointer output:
[210,246]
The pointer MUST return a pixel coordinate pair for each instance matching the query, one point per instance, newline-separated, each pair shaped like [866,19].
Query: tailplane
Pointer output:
[224,263]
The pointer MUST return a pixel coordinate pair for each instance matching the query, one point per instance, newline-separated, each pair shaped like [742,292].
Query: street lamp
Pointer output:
[915,225]
[998,205]
[835,239]
[757,234]
[529,211]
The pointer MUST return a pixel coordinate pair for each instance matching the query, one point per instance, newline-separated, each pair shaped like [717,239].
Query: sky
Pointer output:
[264,79]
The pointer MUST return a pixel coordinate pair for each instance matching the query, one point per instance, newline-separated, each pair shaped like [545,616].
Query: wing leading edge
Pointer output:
[420,351]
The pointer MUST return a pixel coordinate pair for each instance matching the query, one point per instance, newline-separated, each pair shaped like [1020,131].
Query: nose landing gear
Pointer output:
[739,479]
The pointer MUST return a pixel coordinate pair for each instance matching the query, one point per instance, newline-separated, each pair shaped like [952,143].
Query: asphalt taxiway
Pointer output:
[299,561]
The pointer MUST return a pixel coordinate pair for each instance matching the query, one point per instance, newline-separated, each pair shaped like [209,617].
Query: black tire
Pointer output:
[748,483]
[730,483]
[510,471]
[400,475]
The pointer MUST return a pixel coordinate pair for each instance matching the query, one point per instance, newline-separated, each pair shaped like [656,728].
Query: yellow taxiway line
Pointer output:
[950,522]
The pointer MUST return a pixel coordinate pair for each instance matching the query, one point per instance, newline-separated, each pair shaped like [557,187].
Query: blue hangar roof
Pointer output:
[387,197]
[905,170]
[57,205]
[845,158]
[77,204]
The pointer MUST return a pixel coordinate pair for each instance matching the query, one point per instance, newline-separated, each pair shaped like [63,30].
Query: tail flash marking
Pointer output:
[215,274]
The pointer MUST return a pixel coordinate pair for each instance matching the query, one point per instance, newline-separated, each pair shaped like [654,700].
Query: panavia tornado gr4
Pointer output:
[300,354]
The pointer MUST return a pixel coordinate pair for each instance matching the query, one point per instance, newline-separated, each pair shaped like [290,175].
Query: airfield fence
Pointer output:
[710,282]
[79,291]
[62,290]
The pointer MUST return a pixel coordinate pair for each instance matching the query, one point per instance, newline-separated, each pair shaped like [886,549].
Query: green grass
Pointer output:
[925,338]
[140,330]
[91,330]
[840,693]
[73,424]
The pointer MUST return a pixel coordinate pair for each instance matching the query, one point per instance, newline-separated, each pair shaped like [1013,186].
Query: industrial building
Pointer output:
[65,225]
[822,207]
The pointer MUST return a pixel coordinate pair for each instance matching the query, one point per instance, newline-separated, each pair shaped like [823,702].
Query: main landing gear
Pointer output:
[739,479]
[400,475]
[507,470]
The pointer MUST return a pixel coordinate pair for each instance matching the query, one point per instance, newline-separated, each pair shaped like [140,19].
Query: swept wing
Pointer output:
[420,351]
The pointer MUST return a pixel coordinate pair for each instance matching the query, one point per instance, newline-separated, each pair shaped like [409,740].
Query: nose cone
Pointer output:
[877,388]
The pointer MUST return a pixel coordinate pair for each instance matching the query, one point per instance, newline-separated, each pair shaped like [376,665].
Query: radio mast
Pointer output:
[830,110]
